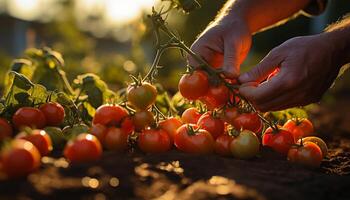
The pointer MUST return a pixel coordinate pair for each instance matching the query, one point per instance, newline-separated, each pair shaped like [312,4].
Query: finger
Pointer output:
[263,69]
[211,54]
[284,101]
[231,61]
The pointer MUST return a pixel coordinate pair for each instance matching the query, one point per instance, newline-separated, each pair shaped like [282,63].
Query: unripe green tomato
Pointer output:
[245,146]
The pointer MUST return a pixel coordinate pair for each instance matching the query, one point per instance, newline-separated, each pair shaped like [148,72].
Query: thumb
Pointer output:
[231,61]
[263,69]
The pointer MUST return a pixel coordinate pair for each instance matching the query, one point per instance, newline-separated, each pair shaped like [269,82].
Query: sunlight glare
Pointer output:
[24,9]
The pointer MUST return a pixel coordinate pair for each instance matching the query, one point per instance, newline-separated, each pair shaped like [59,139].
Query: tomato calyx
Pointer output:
[192,131]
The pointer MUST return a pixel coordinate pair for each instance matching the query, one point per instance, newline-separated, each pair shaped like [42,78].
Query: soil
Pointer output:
[180,176]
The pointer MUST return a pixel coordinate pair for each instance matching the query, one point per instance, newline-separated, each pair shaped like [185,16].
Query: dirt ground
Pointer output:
[180,176]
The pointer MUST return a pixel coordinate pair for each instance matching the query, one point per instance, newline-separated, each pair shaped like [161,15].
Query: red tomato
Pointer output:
[194,85]
[222,145]
[215,126]
[143,119]
[28,116]
[83,148]
[20,158]
[154,141]
[198,142]
[142,96]
[54,113]
[127,125]
[320,143]
[280,141]
[216,96]
[170,125]
[116,139]
[248,121]
[308,154]
[40,139]
[99,131]
[190,116]
[5,129]
[299,128]
[230,114]
[109,115]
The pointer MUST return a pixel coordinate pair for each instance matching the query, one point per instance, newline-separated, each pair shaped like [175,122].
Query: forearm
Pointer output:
[259,14]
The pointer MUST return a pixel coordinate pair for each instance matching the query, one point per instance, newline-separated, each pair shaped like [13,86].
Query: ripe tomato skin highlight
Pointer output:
[40,139]
[170,125]
[200,142]
[143,119]
[109,115]
[229,115]
[28,116]
[248,121]
[215,126]
[99,131]
[222,145]
[300,128]
[318,141]
[5,129]
[83,148]
[309,154]
[246,145]
[190,116]
[154,141]
[143,96]
[20,158]
[280,141]
[116,139]
[216,96]
[54,113]
[194,85]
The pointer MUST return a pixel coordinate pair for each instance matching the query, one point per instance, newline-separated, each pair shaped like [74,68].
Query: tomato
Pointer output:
[214,125]
[116,139]
[222,145]
[143,119]
[246,145]
[248,121]
[28,116]
[170,125]
[20,158]
[109,115]
[57,137]
[99,131]
[154,141]
[216,96]
[54,113]
[299,128]
[127,125]
[280,140]
[229,114]
[5,129]
[197,142]
[320,143]
[39,138]
[194,85]
[83,148]
[142,96]
[190,116]
[307,154]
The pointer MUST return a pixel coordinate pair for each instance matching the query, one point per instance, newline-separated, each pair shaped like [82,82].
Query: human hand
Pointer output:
[308,67]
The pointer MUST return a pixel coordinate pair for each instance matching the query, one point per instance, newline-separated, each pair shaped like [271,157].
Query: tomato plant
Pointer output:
[31,117]
[54,113]
[216,96]
[308,154]
[83,148]
[190,116]
[278,139]
[154,141]
[99,131]
[245,145]
[222,145]
[109,115]
[248,121]
[142,96]
[116,139]
[229,114]
[5,129]
[39,138]
[194,85]
[170,125]
[57,137]
[320,143]
[127,125]
[213,124]
[143,119]
[299,128]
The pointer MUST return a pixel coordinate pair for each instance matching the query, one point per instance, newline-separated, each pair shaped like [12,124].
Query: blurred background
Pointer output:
[112,38]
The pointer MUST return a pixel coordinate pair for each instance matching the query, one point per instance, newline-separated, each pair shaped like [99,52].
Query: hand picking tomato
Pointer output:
[320,143]
[109,115]
[143,119]
[142,96]
[20,158]
[5,129]
[27,116]
[299,128]
[170,125]
[222,145]
[279,140]
[154,141]
[83,148]
[116,139]
[190,139]
[246,145]
[229,115]
[248,121]
[39,138]
[54,113]
[307,154]
[194,85]
[214,125]
[99,131]
[216,96]
[190,116]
